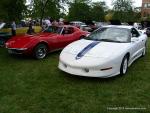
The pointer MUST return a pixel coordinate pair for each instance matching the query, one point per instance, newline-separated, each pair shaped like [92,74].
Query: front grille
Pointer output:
[15,51]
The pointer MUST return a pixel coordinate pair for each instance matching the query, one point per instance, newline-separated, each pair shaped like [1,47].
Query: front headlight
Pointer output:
[6,45]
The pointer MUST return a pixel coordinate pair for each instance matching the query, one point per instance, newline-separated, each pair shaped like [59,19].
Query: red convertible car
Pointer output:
[38,45]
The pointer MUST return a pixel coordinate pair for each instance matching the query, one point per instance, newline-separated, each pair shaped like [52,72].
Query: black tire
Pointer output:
[2,42]
[124,66]
[40,51]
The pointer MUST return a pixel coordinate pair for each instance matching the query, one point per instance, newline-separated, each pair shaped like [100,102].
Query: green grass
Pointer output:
[32,86]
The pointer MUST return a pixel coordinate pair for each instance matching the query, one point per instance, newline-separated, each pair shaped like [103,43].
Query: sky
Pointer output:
[137,3]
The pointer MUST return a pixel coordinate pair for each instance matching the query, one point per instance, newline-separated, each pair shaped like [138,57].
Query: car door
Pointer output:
[53,37]
[67,36]
[136,44]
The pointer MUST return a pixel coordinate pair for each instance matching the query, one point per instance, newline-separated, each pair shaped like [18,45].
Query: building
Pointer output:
[145,8]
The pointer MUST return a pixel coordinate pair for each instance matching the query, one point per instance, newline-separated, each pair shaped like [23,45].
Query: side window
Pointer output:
[65,31]
[68,30]
[71,30]
[134,32]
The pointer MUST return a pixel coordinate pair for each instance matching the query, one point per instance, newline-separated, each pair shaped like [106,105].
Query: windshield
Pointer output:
[110,34]
[54,29]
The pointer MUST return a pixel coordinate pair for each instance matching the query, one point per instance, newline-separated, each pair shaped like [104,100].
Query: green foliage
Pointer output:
[12,9]
[82,10]
[97,11]
[124,11]
[122,5]
[86,10]
[79,11]
[45,8]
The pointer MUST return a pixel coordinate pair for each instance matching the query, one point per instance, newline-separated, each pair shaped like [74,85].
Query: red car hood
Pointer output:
[23,41]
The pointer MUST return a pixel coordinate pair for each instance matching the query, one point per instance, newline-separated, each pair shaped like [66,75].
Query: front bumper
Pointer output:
[17,51]
[88,72]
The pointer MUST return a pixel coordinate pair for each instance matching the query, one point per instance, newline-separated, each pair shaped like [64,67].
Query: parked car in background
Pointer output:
[148,31]
[4,36]
[106,52]
[39,45]
[86,28]
[145,31]
[77,23]
[90,26]
[142,31]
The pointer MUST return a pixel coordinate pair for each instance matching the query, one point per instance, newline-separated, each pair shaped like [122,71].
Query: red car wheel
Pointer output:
[40,51]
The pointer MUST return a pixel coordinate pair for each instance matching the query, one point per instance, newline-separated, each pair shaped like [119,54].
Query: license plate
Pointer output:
[10,51]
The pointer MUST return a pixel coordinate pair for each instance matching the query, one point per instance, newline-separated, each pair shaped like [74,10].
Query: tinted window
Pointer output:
[134,32]
[68,30]
[54,29]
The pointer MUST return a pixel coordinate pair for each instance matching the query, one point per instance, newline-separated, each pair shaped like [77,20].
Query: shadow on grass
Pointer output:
[71,77]
[30,57]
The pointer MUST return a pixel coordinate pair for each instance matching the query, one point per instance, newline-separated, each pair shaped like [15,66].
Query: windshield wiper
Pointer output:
[109,40]
[91,38]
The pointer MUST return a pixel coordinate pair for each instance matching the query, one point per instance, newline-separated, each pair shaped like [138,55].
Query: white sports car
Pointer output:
[106,52]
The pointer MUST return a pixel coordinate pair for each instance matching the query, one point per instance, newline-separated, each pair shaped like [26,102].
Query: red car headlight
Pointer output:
[6,45]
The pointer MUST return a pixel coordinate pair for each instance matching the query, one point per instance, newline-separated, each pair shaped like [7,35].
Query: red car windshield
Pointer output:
[54,29]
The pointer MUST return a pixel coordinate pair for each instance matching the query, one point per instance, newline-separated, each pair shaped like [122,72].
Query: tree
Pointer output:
[79,11]
[108,17]
[12,9]
[44,8]
[98,11]
[123,10]
[47,8]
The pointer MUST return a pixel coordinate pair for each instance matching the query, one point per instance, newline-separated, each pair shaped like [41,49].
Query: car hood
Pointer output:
[19,41]
[22,41]
[99,50]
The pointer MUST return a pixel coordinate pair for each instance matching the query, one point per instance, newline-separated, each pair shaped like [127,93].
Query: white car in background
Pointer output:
[106,52]
[77,23]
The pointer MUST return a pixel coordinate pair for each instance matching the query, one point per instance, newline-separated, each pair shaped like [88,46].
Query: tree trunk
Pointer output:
[43,11]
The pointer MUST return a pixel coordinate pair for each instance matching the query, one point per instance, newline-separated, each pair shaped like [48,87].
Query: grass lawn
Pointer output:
[32,86]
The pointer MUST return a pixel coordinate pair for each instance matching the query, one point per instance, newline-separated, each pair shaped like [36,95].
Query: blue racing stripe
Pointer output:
[86,49]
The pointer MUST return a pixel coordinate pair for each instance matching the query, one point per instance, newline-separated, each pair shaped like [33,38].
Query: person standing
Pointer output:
[61,21]
[30,30]
[48,23]
[13,28]
[55,23]
[135,25]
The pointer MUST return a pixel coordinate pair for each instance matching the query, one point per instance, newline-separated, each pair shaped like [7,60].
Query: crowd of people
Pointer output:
[45,24]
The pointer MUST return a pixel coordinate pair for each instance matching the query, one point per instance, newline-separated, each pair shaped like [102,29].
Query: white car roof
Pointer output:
[120,26]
